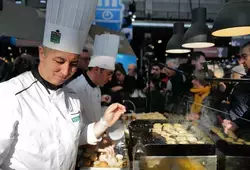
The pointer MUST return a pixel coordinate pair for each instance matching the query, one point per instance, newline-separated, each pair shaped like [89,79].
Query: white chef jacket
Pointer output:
[40,129]
[90,98]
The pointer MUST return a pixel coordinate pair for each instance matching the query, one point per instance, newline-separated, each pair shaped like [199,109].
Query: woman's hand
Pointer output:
[229,126]
[116,88]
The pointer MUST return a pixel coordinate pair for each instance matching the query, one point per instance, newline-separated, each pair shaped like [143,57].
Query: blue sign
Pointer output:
[109,14]
[126,60]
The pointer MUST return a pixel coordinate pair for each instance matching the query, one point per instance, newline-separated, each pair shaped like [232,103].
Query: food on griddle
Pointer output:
[175,134]
[151,116]
[238,143]
[231,138]
[181,138]
[192,139]
[183,142]
[247,143]
[171,142]
[231,134]
[240,140]
[200,142]
[157,126]
[177,125]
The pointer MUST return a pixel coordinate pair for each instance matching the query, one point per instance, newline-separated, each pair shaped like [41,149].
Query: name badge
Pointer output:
[75,117]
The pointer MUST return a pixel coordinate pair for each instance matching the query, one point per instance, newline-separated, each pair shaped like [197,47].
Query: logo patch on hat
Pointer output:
[55,37]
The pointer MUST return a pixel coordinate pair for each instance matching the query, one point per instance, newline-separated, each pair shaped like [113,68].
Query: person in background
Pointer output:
[239,98]
[165,76]
[156,89]
[23,63]
[83,63]
[137,82]
[121,85]
[156,72]
[132,71]
[40,120]
[194,63]
[238,72]
[5,70]
[176,81]
[202,100]
[84,60]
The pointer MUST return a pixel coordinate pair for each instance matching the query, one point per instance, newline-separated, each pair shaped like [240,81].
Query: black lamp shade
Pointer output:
[198,35]
[175,43]
[233,19]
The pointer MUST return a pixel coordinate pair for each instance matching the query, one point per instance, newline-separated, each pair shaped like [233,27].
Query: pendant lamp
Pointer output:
[233,19]
[198,35]
[174,45]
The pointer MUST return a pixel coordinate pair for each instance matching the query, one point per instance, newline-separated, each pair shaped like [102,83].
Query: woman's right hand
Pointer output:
[116,88]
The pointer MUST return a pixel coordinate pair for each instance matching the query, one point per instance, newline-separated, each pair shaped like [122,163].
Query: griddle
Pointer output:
[156,146]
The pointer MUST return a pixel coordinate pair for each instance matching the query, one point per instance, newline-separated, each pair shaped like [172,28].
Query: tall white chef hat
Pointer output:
[105,51]
[68,23]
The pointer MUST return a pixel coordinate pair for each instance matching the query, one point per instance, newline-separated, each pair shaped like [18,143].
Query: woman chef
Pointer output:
[40,120]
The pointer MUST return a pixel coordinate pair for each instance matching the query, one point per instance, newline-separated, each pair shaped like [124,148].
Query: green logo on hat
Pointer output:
[55,37]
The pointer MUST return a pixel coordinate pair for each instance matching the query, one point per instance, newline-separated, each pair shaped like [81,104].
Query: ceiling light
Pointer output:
[233,19]
[198,35]
[159,41]
[175,43]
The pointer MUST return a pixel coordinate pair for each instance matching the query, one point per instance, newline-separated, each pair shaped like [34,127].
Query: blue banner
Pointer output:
[109,14]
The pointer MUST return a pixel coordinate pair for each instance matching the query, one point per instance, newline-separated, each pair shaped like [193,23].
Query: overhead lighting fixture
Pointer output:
[233,19]
[198,35]
[175,43]
[159,41]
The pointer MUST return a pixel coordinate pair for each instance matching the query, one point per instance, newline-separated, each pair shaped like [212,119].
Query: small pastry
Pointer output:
[157,126]
[183,142]
[119,156]
[192,139]
[181,138]
[170,142]
[240,140]
[200,142]
[247,143]
[177,125]
[102,164]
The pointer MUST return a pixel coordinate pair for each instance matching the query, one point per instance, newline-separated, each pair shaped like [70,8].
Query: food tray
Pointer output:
[230,149]
[156,146]
[85,160]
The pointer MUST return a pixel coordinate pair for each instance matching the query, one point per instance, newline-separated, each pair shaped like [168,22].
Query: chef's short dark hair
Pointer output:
[85,50]
[247,44]
[196,55]
[155,64]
